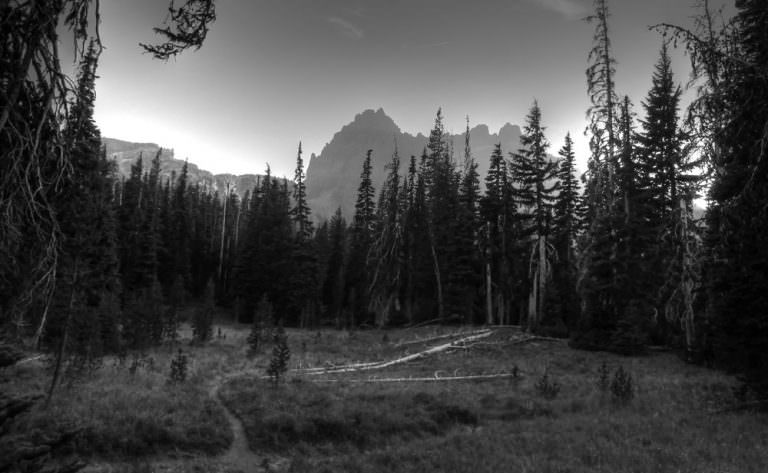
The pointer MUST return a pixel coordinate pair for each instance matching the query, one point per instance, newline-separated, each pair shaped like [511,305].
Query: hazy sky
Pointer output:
[273,72]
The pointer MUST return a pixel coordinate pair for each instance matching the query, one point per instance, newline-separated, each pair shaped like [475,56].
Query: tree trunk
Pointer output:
[488,295]
[687,279]
[44,319]
[65,333]
[223,235]
[436,265]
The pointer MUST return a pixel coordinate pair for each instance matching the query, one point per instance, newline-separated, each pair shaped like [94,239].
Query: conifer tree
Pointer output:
[362,236]
[180,224]
[281,354]
[535,185]
[442,201]
[131,216]
[667,187]
[386,248]
[466,275]
[264,260]
[568,204]
[79,328]
[333,284]
[304,283]
[567,225]
[602,114]
[499,212]
[301,211]
[731,114]
[418,273]
[149,232]
[598,282]
[470,182]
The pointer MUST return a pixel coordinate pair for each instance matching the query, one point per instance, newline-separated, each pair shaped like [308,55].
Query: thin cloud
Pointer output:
[433,45]
[346,28]
[571,9]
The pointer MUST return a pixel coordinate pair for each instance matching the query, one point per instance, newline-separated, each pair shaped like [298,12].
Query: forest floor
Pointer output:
[480,406]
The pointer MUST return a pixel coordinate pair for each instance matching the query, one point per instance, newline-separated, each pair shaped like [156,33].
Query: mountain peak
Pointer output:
[374,120]
[509,130]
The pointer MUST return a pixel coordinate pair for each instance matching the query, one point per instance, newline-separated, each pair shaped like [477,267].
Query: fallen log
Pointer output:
[472,377]
[434,321]
[437,337]
[331,366]
[404,359]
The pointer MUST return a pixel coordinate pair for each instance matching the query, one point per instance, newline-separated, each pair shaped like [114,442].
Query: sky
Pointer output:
[275,72]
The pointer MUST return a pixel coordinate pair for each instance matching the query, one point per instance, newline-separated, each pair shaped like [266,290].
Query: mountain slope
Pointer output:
[125,154]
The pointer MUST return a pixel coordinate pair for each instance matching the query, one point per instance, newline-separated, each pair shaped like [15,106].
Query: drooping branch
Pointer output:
[185,27]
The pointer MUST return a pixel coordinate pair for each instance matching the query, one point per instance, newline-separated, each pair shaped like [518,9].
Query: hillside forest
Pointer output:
[613,259]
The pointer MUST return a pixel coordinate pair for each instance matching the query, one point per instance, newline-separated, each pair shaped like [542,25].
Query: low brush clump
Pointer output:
[124,416]
[546,387]
[178,368]
[301,415]
[622,390]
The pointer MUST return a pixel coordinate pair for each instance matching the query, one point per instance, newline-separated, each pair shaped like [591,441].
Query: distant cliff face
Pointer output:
[334,175]
[125,154]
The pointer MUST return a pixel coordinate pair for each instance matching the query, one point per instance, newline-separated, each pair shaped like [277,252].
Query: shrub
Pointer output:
[278,365]
[547,388]
[622,390]
[179,368]
[603,378]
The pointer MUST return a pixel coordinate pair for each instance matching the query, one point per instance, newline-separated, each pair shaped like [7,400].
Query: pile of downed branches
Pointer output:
[32,451]
[9,354]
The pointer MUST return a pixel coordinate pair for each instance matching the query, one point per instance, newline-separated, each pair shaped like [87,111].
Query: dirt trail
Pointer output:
[239,458]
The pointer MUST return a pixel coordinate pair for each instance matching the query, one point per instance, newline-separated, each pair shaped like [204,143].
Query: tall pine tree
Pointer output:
[534,178]
[362,237]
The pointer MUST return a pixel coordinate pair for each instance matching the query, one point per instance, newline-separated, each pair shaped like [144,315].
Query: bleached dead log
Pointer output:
[502,343]
[438,337]
[535,338]
[331,366]
[30,359]
[473,377]
[404,359]
[434,321]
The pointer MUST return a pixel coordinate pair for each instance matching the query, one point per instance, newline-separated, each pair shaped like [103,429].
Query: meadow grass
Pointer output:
[127,414]
[338,422]
[344,423]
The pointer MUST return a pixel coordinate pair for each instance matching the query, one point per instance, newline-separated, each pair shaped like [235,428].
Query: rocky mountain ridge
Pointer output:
[125,154]
[334,175]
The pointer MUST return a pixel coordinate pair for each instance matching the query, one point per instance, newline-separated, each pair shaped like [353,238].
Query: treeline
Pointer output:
[614,258]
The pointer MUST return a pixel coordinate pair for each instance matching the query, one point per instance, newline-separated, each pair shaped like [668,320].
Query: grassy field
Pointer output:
[361,422]
[130,412]
[354,422]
